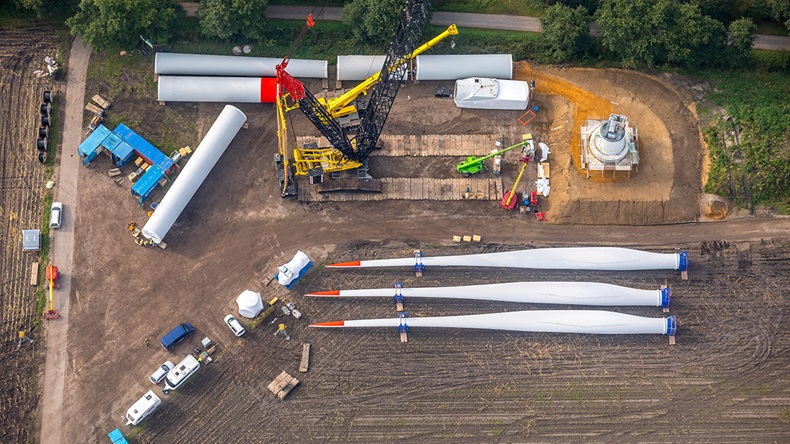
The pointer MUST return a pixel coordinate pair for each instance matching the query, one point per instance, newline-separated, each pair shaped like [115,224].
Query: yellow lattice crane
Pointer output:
[329,159]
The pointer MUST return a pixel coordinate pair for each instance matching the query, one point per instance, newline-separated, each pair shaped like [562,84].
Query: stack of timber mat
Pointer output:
[426,145]
[405,188]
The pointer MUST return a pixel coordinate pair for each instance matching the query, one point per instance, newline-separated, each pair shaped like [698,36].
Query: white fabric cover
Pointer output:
[290,271]
[250,304]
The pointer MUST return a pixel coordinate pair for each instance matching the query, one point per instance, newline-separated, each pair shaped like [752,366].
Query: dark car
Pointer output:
[176,335]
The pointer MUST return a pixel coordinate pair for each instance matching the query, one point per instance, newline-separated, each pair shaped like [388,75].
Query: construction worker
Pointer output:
[281,329]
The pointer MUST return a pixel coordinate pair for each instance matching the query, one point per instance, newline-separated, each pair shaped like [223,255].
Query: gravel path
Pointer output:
[63,247]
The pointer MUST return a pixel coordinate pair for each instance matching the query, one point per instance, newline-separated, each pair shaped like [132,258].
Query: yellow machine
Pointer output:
[327,158]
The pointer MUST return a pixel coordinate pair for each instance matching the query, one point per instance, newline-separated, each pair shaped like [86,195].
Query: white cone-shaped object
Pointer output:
[570,293]
[574,258]
[250,304]
[543,321]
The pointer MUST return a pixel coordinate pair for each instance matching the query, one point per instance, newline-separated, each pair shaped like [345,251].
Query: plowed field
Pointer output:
[21,197]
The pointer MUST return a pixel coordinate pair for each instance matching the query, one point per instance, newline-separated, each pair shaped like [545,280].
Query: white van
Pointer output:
[182,371]
[142,408]
[56,215]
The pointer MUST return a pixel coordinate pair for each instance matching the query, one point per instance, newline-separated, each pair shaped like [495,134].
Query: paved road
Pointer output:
[63,248]
[487,21]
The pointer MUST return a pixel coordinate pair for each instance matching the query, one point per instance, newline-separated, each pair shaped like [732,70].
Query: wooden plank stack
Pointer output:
[415,188]
[282,385]
[305,364]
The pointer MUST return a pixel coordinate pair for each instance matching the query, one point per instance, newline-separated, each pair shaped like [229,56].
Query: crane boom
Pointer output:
[340,106]
[415,17]
[405,42]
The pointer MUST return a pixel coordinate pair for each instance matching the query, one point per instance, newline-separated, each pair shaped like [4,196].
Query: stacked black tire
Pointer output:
[43,131]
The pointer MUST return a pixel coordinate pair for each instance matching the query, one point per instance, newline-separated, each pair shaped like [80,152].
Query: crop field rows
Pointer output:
[724,381]
[21,197]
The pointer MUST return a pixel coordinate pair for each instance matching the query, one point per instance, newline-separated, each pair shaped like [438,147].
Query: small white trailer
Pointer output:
[142,408]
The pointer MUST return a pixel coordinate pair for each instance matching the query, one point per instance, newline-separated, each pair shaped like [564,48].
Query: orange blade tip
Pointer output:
[345,264]
[324,293]
[329,324]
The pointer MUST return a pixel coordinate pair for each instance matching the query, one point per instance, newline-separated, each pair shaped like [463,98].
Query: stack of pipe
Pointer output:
[216,78]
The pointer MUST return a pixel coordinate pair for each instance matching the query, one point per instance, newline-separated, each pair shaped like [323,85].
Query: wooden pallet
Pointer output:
[34,274]
[94,109]
[282,385]
[100,100]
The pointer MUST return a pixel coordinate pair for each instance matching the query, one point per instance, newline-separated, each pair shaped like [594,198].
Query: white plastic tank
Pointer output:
[194,173]
[168,63]
[461,66]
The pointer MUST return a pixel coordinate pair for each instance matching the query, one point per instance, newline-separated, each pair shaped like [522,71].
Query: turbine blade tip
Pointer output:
[329,324]
[324,293]
[345,264]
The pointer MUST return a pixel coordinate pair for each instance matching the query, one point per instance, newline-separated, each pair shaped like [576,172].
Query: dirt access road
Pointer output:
[63,247]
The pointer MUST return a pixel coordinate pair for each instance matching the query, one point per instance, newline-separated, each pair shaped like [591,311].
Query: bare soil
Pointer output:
[725,381]
[22,180]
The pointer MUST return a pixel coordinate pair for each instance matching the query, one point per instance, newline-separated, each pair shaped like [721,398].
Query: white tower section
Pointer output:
[609,145]
[194,173]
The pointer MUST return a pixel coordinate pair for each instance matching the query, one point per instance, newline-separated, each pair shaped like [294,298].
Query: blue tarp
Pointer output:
[87,148]
[117,437]
[148,183]
[144,148]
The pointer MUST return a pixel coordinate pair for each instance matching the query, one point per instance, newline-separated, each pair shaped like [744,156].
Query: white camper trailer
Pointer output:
[182,371]
[487,93]
[142,408]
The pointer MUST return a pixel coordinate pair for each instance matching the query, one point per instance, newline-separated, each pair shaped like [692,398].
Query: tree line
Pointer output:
[633,33]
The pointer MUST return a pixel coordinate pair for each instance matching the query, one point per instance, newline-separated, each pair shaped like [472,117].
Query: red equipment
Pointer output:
[53,275]
[510,199]
[533,199]
[541,216]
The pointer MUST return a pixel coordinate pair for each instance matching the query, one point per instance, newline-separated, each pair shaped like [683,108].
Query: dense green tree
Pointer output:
[724,11]
[566,31]
[373,21]
[742,34]
[117,23]
[233,18]
[628,29]
[691,38]
[779,10]
[46,8]
[590,5]
[647,32]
